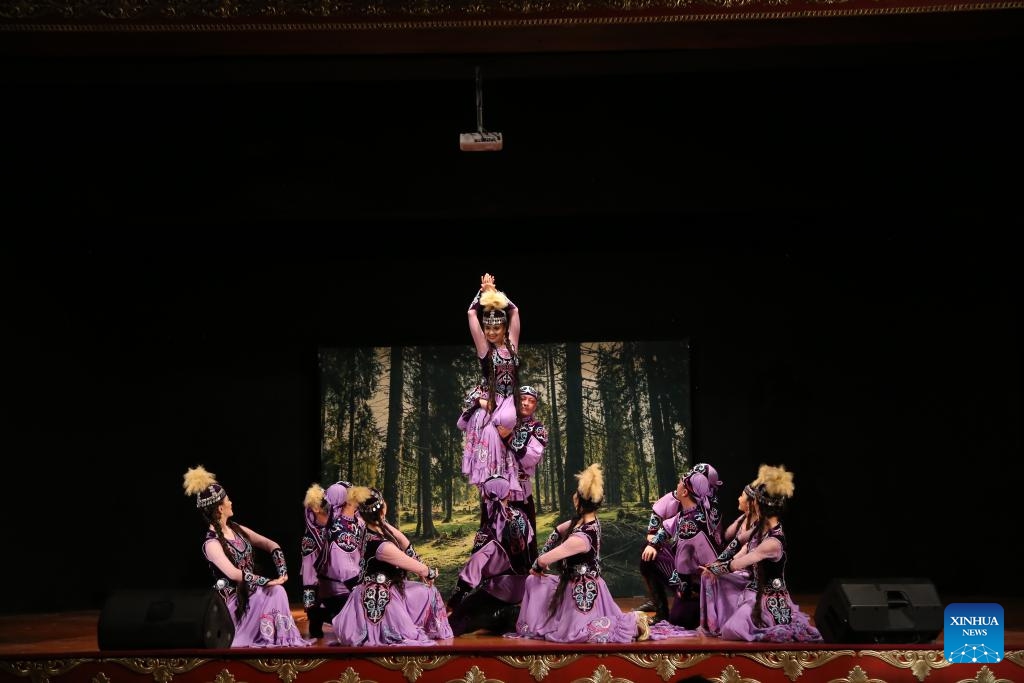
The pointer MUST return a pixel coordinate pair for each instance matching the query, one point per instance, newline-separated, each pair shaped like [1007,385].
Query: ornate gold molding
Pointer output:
[794,663]
[985,675]
[538,665]
[383,15]
[857,675]
[286,669]
[162,670]
[1015,656]
[602,674]
[920,662]
[413,667]
[475,675]
[40,671]
[664,664]
[350,675]
[731,674]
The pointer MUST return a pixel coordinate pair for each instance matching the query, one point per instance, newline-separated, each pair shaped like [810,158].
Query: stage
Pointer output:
[62,648]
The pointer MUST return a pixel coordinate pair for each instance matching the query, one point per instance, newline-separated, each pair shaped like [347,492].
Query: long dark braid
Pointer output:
[566,572]
[492,375]
[374,517]
[212,515]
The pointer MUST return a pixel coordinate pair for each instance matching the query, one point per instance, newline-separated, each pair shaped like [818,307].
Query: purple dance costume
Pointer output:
[267,620]
[387,609]
[585,611]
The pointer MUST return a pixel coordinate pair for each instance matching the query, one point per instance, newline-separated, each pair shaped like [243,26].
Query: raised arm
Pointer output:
[513,325]
[475,329]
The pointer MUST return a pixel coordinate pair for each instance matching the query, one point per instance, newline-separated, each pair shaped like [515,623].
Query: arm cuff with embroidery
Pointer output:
[431,574]
[254,579]
[308,596]
[720,568]
[474,305]
[278,556]
[552,542]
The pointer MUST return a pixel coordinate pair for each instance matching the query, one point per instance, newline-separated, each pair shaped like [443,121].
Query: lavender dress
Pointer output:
[752,603]
[586,612]
[484,451]
[267,621]
[387,609]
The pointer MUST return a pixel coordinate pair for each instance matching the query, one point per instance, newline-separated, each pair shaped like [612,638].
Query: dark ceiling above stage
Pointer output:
[193,111]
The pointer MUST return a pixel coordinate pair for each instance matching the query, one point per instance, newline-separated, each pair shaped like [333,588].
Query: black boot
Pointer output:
[655,591]
[316,621]
[462,589]
[503,619]
[686,608]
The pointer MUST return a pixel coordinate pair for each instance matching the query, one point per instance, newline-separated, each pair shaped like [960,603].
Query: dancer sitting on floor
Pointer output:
[385,608]
[258,604]
[744,596]
[576,606]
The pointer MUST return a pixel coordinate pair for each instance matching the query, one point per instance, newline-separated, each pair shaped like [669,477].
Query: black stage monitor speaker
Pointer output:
[879,611]
[163,619]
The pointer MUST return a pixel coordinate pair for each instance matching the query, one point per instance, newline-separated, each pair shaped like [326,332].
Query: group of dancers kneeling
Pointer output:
[359,571]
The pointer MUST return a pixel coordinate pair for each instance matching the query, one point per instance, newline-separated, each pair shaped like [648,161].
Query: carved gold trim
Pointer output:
[200,16]
[664,664]
[1015,656]
[856,675]
[225,676]
[731,674]
[40,671]
[413,667]
[475,675]
[793,663]
[920,662]
[162,670]
[350,675]
[286,669]
[985,675]
[101,678]
[538,665]
[602,674]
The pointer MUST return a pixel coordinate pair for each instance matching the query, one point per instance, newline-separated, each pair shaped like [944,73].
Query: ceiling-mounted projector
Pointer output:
[482,140]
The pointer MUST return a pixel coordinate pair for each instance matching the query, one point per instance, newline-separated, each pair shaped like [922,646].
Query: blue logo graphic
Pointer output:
[973,633]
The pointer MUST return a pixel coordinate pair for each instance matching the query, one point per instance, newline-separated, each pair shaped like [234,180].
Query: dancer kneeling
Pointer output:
[491,585]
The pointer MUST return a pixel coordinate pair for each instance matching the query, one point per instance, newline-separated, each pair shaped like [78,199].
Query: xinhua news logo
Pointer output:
[973,633]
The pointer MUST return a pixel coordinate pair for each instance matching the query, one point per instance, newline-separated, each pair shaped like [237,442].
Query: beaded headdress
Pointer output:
[773,486]
[203,485]
[368,499]
[527,390]
[493,318]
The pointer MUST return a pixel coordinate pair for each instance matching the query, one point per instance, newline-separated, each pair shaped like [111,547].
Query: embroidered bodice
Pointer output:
[504,371]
